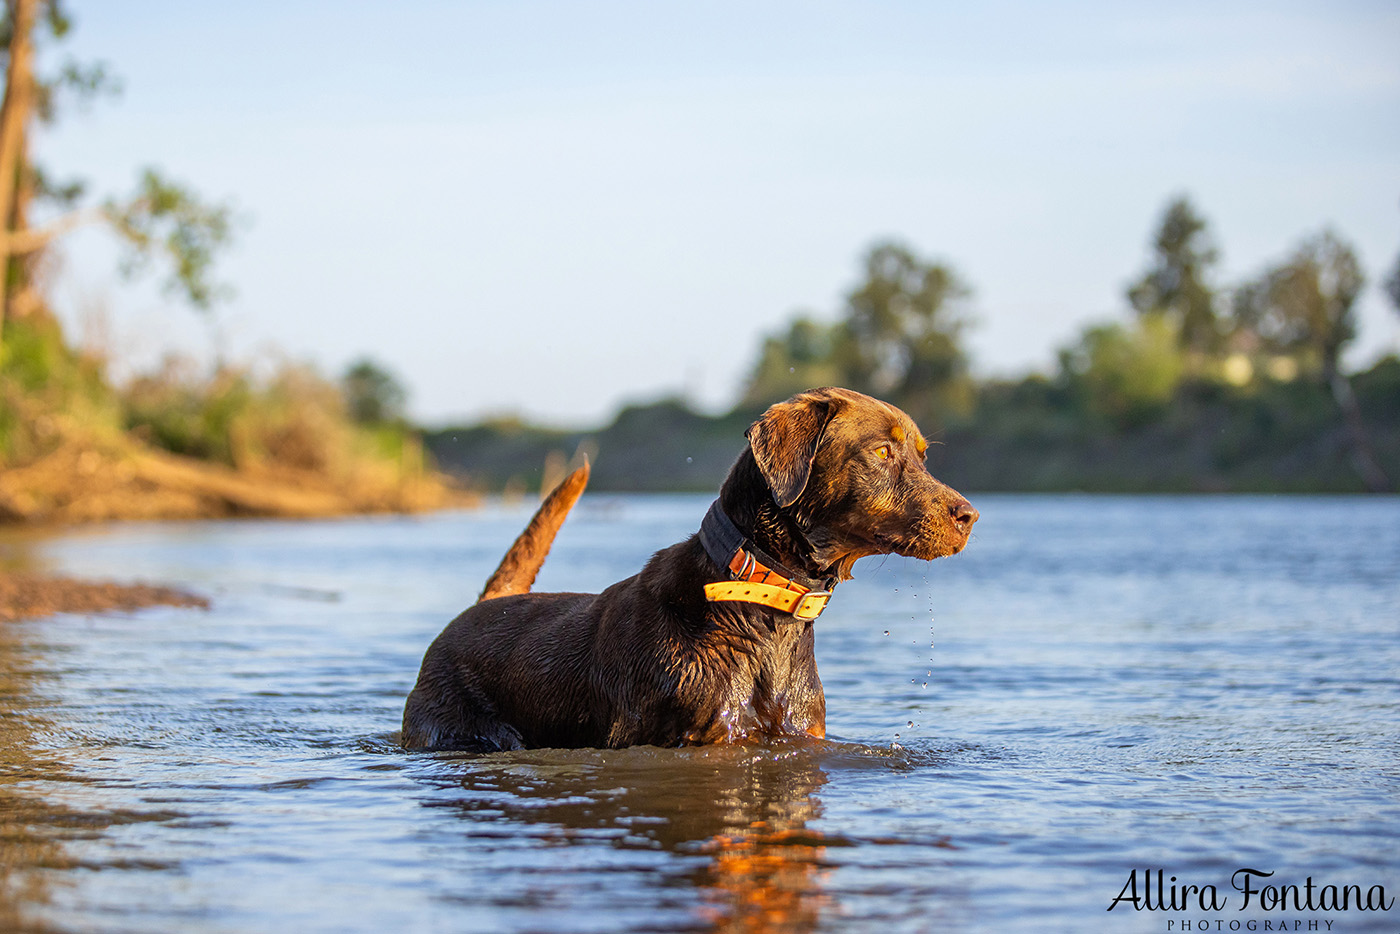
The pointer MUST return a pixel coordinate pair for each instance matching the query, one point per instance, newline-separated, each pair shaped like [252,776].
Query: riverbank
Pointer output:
[181,443]
[117,478]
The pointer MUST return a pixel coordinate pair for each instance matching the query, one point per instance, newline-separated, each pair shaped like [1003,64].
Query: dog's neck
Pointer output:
[744,497]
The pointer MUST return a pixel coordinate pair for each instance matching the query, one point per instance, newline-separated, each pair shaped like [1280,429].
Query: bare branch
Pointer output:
[20,242]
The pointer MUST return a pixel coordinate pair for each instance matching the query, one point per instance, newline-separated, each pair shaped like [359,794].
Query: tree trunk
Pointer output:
[1362,457]
[14,119]
[22,294]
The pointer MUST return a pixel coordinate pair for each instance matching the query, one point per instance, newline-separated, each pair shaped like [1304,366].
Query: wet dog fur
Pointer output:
[829,476]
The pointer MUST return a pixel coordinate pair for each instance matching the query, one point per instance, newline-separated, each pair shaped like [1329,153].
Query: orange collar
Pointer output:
[753,580]
[757,583]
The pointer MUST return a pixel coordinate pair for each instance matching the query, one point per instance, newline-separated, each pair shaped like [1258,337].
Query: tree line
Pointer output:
[1197,386]
[900,335]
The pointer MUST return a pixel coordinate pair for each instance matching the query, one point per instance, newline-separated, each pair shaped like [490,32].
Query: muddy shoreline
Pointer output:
[31,596]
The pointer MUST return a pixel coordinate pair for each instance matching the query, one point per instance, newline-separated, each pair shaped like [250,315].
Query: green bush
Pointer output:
[48,389]
[1128,374]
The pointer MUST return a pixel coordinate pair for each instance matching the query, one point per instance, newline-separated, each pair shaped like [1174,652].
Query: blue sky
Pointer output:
[553,208]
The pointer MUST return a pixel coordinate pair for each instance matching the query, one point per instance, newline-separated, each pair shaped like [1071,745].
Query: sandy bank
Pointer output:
[28,596]
[100,480]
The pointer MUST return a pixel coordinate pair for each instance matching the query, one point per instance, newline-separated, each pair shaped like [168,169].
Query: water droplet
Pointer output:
[690,460]
[887,632]
[911,722]
[925,685]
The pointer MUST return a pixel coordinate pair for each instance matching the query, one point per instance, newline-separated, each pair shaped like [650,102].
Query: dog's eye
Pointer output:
[883,451]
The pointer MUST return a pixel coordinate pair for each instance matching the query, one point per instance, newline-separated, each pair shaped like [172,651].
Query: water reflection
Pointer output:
[731,823]
[26,822]
[764,879]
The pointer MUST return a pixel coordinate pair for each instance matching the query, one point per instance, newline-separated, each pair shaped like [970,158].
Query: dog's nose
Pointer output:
[963,515]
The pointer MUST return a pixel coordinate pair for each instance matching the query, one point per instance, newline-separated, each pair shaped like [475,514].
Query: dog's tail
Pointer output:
[518,568]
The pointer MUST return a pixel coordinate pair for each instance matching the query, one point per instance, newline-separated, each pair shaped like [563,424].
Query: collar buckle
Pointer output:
[804,611]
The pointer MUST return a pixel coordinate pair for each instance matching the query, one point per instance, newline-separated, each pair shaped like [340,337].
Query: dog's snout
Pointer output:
[963,514]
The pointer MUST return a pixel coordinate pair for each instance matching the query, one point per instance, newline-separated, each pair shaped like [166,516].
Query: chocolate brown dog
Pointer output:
[712,642]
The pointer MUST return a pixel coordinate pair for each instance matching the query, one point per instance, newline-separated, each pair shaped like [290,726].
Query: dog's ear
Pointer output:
[784,441]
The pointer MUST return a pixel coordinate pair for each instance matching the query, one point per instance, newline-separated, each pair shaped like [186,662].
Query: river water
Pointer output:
[1097,689]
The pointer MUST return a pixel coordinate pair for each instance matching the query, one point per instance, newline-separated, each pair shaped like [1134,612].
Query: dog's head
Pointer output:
[850,471]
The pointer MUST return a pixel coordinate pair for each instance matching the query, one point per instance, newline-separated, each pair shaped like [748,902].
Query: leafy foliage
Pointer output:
[1175,286]
[1392,284]
[804,356]
[292,419]
[167,218]
[373,395]
[1126,374]
[906,325]
[1305,305]
[899,337]
[46,389]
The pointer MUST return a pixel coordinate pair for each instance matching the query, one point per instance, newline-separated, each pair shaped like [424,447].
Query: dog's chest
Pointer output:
[771,694]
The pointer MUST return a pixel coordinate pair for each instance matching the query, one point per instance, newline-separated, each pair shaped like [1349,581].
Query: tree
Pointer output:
[903,339]
[372,394]
[1305,306]
[1175,285]
[160,218]
[802,357]
[1126,374]
[899,338]
[1392,284]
